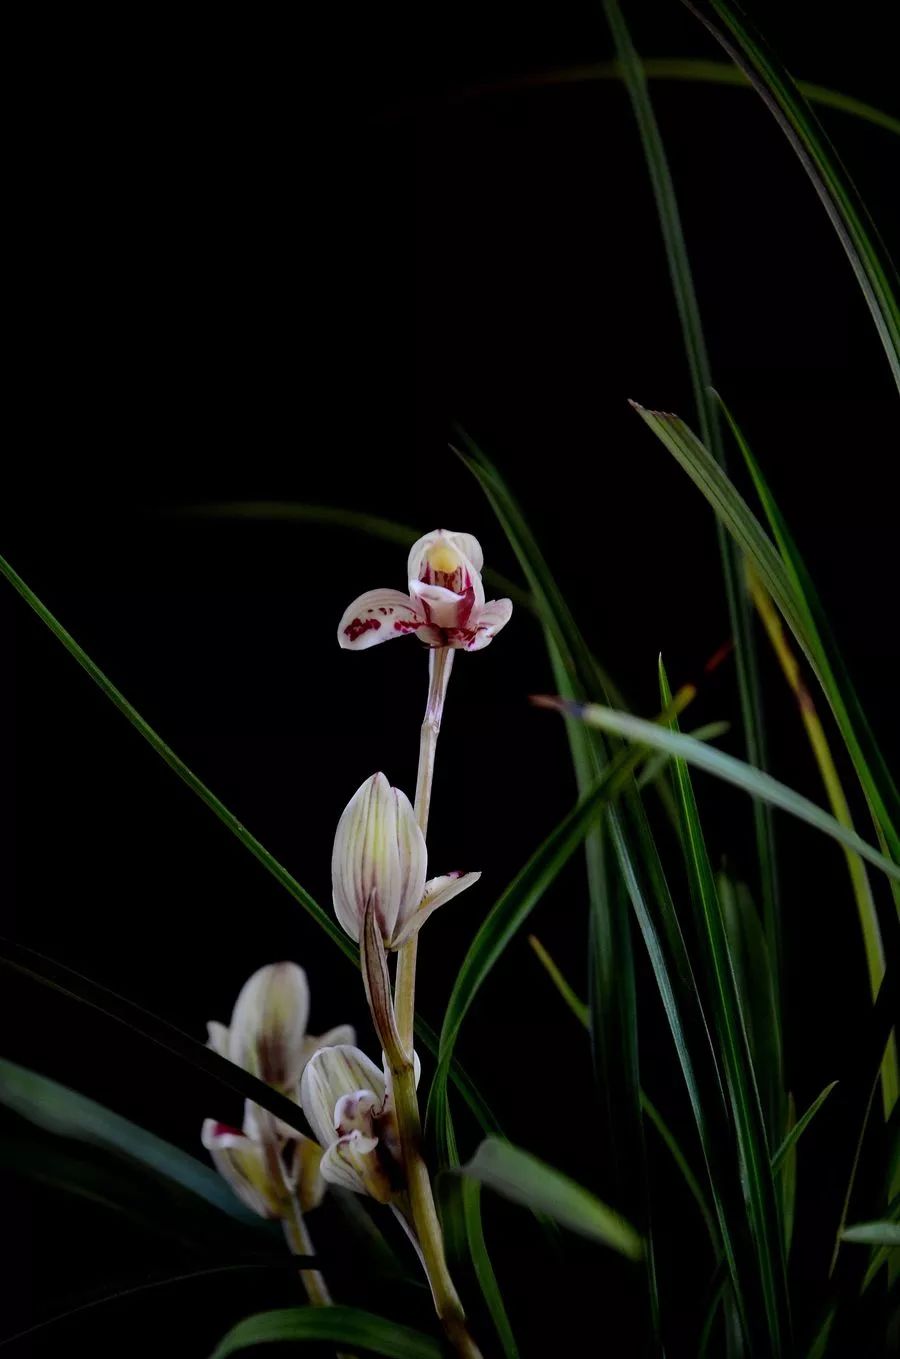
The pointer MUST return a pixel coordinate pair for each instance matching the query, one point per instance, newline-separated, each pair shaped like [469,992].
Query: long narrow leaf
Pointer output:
[856,232]
[747,531]
[691,70]
[613,1013]
[731,770]
[799,1128]
[873,1233]
[873,773]
[76,1118]
[736,1061]
[345,1326]
[694,342]
[519,1176]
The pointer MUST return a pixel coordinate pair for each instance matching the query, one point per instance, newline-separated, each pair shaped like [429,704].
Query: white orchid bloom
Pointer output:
[380,855]
[267,1035]
[267,1160]
[348,1104]
[445,605]
[264,1176]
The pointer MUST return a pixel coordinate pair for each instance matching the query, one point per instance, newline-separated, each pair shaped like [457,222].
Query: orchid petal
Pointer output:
[242,1162]
[444,608]
[330,1074]
[352,1163]
[355,1113]
[437,892]
[341,1034]
[487,623]
[217,1037]
[268,1025]
[259,1124]
[306,1173]
[464,543]
[378,616]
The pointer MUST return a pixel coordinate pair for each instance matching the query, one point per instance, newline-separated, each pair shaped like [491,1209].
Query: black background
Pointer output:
[267,259]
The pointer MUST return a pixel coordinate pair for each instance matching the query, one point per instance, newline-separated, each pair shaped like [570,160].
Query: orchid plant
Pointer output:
[366,1120]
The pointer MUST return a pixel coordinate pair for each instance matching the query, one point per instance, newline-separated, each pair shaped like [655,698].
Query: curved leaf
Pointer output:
[339,1325]
[691,70]
[873,1233]
[525,1179]
[732,770]
[848,216]
[67,1114]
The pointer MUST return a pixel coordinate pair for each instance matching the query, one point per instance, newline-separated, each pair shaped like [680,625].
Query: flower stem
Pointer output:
[300,1242]
[440,662]
[424,1215]
[418,1182]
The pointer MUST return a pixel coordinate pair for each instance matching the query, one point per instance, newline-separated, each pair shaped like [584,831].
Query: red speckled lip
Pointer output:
[359,626]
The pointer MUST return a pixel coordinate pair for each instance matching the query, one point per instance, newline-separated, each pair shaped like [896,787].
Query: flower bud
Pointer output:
[379,855]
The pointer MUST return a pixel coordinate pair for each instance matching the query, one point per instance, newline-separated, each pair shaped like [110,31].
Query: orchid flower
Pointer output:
[445,606]
[348,1104]
[264,1175]
[380,855]
[267,1035]
[266,1160]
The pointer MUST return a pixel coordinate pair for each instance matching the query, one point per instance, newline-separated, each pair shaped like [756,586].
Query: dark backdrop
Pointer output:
[261,259]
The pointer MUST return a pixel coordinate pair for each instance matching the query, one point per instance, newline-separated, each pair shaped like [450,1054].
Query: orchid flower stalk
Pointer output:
[382,898]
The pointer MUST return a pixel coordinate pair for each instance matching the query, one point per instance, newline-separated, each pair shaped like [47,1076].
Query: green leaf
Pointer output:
[690,70]
[481,1260]
[694,343]
[873,1233]
[732,771]
[868,259]
[868,760]
[339,1325]
[521,1177]
[799,1128]
[613,1011]
[735,1054]
[510,912]
[69,1115]
[756,992]
[321,917]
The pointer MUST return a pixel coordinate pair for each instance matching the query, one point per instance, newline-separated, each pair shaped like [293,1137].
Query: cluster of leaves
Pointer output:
[716,960]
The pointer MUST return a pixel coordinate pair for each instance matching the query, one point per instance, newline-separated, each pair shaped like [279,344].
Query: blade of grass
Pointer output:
[579,1009]
[736,1059]
[873,1233]
[196,785]
[344,1326]
[859,878]
[613,1012]
[688,69]
[790,1141]
[694,343]
[865,752]
[70,1115]
[725,767]
[856,232]
[514,906]
[525,1179]
[734,512]
[581,1013]
[471,1197]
